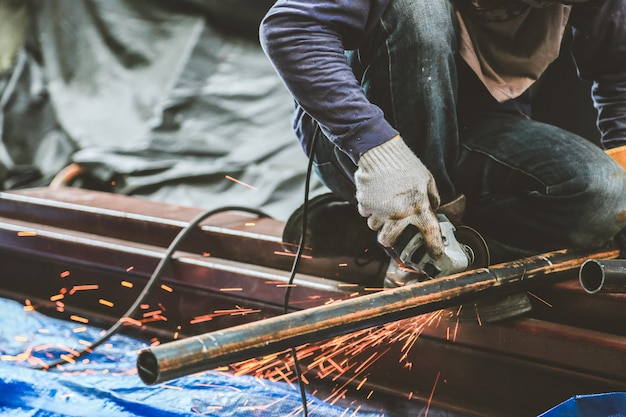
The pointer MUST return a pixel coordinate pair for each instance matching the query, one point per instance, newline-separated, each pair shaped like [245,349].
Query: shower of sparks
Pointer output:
[345,361]
[228,177]
[341,359]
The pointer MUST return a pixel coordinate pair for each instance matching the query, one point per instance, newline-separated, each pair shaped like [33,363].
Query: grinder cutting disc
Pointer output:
[474,245]
[488,309]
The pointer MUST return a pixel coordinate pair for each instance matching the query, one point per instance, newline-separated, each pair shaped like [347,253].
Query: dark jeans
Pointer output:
[530,187]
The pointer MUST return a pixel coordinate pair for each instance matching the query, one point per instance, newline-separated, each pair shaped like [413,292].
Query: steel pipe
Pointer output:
[223,347]
[603,275]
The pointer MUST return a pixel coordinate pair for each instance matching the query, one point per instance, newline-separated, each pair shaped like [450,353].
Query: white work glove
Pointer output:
[394,189]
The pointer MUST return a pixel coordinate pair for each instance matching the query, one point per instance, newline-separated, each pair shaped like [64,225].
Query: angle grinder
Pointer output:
[464,249]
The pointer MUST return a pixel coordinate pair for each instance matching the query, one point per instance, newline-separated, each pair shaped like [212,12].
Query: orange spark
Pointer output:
[480,323]
[68,358]
[231,289]
[25,233]
[432,393]
[79,319]
[363,381]
[166,288]
[130,268]
[200,319]
[131,320]
[540,299]
[228,177]
[42,347]
[64,274]
[105,302]
[292,254]
[83,288]
[126,284]
[57,297]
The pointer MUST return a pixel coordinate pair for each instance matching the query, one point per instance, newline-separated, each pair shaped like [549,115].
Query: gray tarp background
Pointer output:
[158,99]
[164,98]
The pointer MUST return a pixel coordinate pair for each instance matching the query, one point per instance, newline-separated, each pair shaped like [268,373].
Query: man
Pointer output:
[408,106]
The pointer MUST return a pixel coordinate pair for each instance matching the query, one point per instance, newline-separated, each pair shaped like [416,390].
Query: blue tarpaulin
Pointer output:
[105,383]
[611,404]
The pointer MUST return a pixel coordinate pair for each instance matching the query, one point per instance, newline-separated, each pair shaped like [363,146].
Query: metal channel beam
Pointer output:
[236,236]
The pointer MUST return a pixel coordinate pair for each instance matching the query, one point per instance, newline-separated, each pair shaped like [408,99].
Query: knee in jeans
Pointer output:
[602,210]
[423,25]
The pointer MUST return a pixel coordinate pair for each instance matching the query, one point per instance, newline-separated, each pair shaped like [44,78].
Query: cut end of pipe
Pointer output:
[148,367]
[591,276]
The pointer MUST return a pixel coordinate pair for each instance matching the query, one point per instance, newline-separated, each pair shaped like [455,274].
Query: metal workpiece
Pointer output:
[220,348]
[603,275]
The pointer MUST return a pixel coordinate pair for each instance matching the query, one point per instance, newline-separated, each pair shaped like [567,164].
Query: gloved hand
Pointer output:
[394,189]
[619,154]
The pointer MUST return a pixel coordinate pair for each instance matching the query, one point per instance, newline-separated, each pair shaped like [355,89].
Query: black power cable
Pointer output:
[294,268]
[167,256]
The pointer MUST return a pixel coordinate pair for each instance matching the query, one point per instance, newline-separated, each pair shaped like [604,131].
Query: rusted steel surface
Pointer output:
[521,367]
[236,236]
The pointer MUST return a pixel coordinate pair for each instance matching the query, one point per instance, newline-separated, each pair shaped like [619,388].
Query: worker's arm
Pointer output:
[599,49]
[306,41]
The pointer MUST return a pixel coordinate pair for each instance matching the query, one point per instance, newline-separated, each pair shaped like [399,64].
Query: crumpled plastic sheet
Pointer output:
[612,404]
[105,383]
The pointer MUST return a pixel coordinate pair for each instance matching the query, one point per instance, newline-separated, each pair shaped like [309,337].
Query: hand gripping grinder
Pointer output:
[464,249]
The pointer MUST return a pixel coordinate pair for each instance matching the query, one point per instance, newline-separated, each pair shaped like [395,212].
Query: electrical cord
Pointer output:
[167,256]
[294,268]
[153,281]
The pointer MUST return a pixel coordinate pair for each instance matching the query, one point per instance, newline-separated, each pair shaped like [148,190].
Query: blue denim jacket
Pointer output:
[306,41]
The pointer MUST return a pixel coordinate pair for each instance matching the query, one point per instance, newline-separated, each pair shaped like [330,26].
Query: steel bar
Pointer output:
[603,275]
[211,350]
[235,236]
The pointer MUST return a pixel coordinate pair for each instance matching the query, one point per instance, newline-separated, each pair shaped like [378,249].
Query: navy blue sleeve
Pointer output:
[599,49]
[306,41]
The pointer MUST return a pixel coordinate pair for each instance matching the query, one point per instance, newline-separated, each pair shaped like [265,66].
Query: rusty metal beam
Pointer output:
[236,236]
